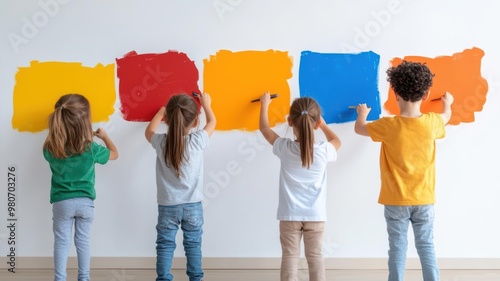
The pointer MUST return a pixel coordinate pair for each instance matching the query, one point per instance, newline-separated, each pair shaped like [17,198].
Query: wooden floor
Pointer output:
[247,275]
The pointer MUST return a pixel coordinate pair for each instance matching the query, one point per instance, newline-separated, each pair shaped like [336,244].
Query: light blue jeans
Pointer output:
[79,211]
[422,220]
[190,218]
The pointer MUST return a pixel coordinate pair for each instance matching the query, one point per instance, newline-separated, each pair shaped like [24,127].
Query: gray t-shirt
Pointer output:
[188,188]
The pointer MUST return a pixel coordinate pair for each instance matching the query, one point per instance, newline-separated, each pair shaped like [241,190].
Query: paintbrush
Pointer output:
[271,96]
[354,106]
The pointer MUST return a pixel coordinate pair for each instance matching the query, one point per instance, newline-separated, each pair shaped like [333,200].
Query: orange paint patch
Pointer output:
[39,86]
[234,79]
[459,74]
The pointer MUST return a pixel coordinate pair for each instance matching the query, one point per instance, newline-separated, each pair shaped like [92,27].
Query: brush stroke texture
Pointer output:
[148,81]
[338,81]
[233,79]
[459,74]
[40,85]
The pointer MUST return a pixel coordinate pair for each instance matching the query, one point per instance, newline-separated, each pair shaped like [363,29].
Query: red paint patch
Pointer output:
[459,74]
[148,81]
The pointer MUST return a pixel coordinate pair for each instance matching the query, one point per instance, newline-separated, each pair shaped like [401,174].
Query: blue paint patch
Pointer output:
[337,81]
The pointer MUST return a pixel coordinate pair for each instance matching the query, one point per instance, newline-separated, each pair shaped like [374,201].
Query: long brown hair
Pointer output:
[304,115]
[70,128]
[181,113]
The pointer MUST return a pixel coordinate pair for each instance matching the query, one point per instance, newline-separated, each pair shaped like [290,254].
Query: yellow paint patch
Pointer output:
[234,79]
[39,86]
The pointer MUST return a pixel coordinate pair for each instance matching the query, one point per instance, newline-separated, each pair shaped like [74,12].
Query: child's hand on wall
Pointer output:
[101,133]
[265,99]
[363,110]
[448,99]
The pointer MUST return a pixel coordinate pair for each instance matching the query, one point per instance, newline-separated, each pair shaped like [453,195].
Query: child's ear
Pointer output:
[426,96]
[289,121]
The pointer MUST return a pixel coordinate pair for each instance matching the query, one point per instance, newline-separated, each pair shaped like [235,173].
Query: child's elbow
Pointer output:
[113,155]
[148,134]
[360,130]
[338,144]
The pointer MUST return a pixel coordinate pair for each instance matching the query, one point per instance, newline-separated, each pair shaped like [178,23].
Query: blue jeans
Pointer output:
[190,218]
[79,211]
[422,221]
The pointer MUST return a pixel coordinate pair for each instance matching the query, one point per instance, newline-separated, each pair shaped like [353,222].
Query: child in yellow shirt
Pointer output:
[407,165]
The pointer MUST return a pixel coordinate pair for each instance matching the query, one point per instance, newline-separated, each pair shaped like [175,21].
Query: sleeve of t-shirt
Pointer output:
[101,153]
[157,142]
[330,151]
[377,129]
[278,146]
[439,125]
[47,155]
[200,139]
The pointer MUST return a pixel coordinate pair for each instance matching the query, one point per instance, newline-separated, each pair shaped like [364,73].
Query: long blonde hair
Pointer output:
[304,115]
[181,113]
[70,128]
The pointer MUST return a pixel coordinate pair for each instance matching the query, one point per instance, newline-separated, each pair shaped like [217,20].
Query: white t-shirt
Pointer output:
[302,191]
[188,188]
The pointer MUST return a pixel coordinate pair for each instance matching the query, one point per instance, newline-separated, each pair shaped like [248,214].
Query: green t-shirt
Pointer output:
[74,176]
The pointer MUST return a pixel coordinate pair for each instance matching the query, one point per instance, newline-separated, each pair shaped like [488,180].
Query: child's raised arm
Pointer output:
[330,135]
[151,128]
[206,101]
[264,127]
[113,152]
[360,125]
[447,102]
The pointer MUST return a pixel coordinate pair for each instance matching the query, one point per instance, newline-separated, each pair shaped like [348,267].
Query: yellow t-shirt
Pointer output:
[407,158]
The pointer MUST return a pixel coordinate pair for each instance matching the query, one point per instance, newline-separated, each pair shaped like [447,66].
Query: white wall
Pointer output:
[240,218]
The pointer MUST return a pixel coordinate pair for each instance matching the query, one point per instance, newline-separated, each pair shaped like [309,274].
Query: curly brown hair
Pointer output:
[410,80]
